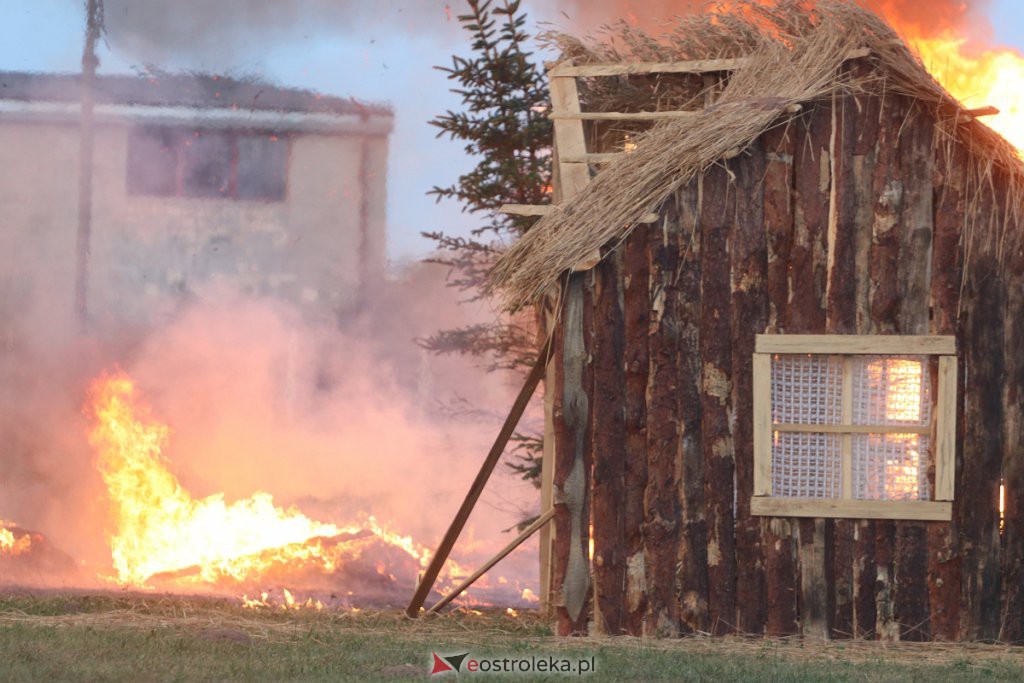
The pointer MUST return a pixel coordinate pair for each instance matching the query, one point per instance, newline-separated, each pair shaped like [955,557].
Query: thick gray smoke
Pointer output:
[233,31]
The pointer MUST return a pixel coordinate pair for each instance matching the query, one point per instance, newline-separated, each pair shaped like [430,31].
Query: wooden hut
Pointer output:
[784,281]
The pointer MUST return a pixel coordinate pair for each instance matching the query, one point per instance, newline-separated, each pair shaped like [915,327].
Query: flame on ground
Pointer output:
[160,530]
[11,543]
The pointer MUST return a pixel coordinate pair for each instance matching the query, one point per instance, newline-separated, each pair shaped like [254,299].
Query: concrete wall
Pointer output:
[148,254]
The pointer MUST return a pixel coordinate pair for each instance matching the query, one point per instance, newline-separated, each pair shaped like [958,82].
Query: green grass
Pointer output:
[152,638]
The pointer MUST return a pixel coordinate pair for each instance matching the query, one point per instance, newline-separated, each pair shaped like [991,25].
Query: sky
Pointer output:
[384,51]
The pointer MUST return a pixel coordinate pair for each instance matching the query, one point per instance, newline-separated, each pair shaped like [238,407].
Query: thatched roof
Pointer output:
[794,56]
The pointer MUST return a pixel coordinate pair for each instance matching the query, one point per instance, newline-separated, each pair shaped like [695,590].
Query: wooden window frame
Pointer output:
[942,430]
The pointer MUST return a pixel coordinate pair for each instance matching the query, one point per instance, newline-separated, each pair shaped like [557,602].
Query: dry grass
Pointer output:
[795,57]
[133,637]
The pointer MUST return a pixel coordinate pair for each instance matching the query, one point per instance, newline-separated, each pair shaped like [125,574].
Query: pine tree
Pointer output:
[504,123]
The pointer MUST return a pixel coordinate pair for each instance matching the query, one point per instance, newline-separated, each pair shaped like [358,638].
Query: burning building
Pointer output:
[784,279]
[275,191]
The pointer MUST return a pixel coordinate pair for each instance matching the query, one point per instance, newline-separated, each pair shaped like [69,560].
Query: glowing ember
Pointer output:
[161,532]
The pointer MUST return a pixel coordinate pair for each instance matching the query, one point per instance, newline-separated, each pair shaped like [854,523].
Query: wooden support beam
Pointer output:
[594,157]
[445,548]
[472,578]
[851,509]
[968,115]
[872,344]
[694,66]
[622,115]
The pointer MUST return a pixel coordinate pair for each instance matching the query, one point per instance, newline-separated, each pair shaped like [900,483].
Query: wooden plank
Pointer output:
[631,68]
[609,448]
[549,318]
[596,157]
[622,115]
[945,434]
[570,564]
[689,66]
[679,333]
[477,487]
[538,523]
[762,401]
[814,584]
[527,209]
[545,209]
[852,429]
[777,533]
[749,314]
[718,206]
[565,99]
[637,306]
[870,344]
[851,509]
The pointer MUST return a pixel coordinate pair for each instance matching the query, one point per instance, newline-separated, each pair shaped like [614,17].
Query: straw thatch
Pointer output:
[795,57]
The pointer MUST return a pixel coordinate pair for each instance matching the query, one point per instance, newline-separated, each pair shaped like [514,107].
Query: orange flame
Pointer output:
[158,527]
[10,544]
[979,78]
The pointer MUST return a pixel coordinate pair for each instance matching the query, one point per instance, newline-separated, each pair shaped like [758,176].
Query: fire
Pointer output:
[160,530]
[10,544]
[991,77]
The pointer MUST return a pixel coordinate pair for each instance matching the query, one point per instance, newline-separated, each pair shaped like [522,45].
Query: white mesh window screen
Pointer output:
[891,390]
[806,465]
[807,389]
[883,391]
[890,466]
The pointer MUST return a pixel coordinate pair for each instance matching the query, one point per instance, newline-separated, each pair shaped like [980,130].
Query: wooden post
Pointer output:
[780,552]
[982,334]
[947,276]
[547,469]
[749,264]
[683,296]
[609,448]
[636,283]
[1012,621]
[448,542]
[808,291]
[717,213]
[663,535]
[855,556]
[844,233]
[93,29]
[917,162]
[884,310]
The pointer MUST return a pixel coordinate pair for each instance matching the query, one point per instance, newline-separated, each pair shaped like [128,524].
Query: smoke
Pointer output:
[344,422]
[229,31]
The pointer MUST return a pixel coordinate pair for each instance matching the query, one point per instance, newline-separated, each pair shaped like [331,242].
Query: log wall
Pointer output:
[858,217]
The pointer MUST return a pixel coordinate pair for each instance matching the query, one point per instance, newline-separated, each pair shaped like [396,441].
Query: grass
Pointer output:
[158,638]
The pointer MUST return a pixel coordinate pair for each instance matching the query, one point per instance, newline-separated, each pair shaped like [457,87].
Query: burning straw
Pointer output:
[792,56]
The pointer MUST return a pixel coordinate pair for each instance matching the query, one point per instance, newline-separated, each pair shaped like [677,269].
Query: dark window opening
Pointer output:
[176,162]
